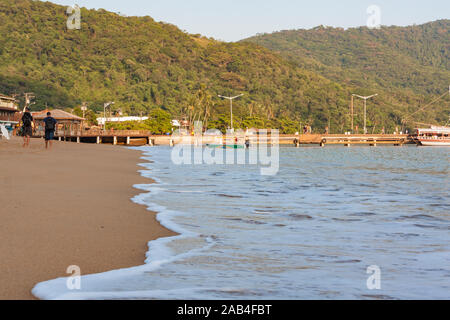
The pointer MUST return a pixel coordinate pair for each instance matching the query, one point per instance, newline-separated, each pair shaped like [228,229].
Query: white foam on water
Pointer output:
[301,234]
[169,294]
[158,254]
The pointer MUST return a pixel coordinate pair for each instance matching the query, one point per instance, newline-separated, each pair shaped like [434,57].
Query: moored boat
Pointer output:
[434,136]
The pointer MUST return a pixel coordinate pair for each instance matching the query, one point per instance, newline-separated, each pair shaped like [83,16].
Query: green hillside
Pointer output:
[145,66]
[409,61]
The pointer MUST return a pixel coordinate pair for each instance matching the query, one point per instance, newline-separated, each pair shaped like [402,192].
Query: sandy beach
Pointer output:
[69,206]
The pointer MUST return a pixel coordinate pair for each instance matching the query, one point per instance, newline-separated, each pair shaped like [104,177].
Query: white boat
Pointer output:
[434,136]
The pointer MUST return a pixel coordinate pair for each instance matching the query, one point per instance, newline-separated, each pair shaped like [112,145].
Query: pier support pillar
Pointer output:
[171,143]
[128,140]
[150,142]
[98,140]
[59,138]
[78,139]
[114,140]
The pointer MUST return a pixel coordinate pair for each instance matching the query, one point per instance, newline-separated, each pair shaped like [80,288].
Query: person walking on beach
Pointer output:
[50,127]
[27,129]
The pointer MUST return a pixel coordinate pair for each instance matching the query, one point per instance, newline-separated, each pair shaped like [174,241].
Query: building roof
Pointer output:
[435,130]
[102,121]
[8,109]
[2,96]
[57,114]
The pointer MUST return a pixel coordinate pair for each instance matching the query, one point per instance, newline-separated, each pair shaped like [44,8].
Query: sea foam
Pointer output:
[311,232]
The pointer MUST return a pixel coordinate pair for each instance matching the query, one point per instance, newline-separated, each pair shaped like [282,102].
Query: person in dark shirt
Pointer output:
[50,127]
[27,129]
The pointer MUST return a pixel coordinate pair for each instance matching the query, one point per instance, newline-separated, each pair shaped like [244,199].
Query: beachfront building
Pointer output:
[176,124]
[9,113]
[68,124]
[102,121]
[7,102]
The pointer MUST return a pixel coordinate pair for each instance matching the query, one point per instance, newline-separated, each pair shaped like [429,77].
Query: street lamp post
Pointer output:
[231,105]
[352,113]
[365,108]
[106,105]
[84,109]
[28,97]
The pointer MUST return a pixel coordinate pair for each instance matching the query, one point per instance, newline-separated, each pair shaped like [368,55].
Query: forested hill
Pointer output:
[144,65]
[414,58]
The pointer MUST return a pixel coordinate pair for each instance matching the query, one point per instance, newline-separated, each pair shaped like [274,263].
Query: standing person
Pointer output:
[50,127]
[27,129]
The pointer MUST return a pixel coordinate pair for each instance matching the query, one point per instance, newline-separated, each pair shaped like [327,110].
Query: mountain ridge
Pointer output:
[144,65]
[310,49]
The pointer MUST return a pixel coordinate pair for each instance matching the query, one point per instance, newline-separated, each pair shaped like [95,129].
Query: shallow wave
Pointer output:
[308,233]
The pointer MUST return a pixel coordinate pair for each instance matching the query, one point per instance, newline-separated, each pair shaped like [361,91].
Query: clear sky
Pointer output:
[233,20]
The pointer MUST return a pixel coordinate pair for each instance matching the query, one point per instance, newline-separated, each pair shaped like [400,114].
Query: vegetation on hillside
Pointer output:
[145,66]
[410,64]
[159,122]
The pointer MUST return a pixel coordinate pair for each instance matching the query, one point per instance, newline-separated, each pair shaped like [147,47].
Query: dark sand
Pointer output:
[69,206]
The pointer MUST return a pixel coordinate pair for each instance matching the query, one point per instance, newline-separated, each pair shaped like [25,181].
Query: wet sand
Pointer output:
[69,206]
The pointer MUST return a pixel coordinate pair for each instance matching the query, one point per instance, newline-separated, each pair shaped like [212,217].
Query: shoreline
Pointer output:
[70,206]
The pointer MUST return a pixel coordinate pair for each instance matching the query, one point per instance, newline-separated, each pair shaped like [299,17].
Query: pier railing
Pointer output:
[128,136]
[96,133]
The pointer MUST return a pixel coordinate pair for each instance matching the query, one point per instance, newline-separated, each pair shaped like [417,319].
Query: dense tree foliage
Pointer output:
[159,122]
[416,57]
[143,66]
[409,64]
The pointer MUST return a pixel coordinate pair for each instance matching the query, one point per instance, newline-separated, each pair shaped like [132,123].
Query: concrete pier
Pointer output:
[137,137]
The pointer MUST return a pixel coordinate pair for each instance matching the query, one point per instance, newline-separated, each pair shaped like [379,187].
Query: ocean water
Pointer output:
[309,232]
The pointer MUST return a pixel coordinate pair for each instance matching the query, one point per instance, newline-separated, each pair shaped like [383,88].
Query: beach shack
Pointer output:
[68,124]
[9,113]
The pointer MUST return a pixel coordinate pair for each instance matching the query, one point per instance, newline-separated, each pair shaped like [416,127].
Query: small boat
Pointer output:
[434,136]
[226,146]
